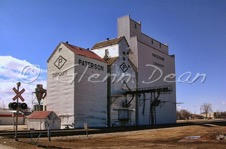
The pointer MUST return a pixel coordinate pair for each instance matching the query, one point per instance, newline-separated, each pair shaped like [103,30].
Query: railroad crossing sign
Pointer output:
[18,94]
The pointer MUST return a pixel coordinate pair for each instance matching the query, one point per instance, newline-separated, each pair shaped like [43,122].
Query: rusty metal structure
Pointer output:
[154,99]
[40,94]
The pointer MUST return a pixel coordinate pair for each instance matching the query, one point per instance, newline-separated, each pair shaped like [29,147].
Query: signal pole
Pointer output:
[17,112]
[15,105]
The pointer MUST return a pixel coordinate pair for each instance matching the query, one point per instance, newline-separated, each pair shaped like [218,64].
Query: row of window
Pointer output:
[158,65]
[152,41]
[124,53]
[158,57]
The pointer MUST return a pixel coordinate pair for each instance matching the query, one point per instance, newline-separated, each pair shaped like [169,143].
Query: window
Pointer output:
[152,41]
[124,58]
[135,25]
[124,53]
[123,114]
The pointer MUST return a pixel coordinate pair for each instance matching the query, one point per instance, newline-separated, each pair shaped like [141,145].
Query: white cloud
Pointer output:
[13,70]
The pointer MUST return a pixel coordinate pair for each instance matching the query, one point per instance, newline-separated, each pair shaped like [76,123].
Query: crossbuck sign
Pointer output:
[18,94]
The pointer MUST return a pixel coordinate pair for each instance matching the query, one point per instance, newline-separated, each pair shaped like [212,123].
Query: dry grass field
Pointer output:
[174,137]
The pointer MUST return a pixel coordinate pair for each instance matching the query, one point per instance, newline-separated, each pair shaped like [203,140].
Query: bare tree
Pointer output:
[178,115]
[183,114]
[206,108]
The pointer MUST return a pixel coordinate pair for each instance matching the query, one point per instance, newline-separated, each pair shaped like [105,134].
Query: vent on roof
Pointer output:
[87,49]
[107,38]
[106,56]
[66,42]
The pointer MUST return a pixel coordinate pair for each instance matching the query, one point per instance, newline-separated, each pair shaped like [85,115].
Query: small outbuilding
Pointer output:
[42,120]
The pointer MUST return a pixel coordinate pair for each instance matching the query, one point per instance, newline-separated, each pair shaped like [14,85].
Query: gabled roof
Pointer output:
[107,43]
[78,51]
[39,115]
[110,61]
[83,52]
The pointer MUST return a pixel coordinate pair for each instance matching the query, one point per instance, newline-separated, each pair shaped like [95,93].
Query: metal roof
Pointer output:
[39,114]
[83,52]
[107,43]
[110,61]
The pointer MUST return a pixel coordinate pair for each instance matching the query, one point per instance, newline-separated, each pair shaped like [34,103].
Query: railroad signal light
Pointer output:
[23,106]
[13,105]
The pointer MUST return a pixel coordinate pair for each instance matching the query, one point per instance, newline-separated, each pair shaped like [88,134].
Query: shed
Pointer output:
[41,120]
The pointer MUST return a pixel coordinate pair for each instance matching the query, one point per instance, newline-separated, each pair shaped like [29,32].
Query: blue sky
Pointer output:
[195,31]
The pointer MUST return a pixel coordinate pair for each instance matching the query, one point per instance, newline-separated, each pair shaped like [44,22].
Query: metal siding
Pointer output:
[90,97]
[60,97]
[116,88]
[165,114]
[142,48]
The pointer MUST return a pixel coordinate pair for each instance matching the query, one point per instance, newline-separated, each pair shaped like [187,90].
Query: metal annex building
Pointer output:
[147,54]
[124,81]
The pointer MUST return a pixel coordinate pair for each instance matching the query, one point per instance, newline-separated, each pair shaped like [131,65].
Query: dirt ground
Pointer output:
[176,138]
